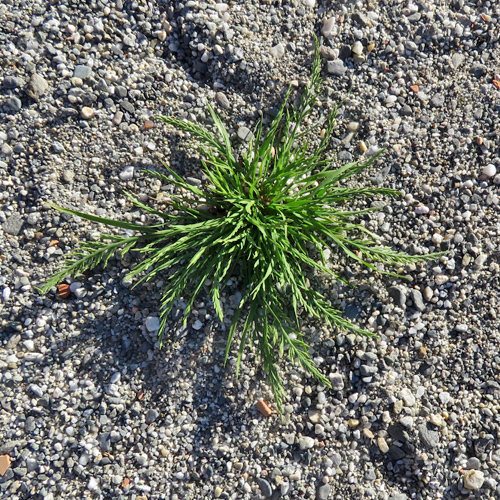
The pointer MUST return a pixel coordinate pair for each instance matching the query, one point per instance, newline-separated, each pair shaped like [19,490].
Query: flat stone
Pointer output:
[152,415]
[429,437]
[417,299]
[323,492]
[265,487]
[457,59]
[152,323]
[277,51]
[82,71]
[306,442]
[398,294]
[336,67]
[222,100]
[14,103]
[4,464]
[37,86]
[244,133]
[12,82]
[13,225]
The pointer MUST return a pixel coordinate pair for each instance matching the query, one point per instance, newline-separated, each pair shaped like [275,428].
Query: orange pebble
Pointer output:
[148,124]
[63,290]
[263,408]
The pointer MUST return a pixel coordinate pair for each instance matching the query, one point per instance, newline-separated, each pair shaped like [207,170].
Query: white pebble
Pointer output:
[473,479]
[328,26]
[127,173]
[92,484]
[309,3]
[357,48]
[306,442]
[490,170]
[6,294]
[87,113]
[421,210]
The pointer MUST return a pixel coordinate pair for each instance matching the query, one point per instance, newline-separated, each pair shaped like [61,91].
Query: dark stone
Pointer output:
[127,106]
[426,369]
[398,294]
[265,487]
[417,299]
[395,453]
[120,91]
[345,52]
[478,70]
[12,82]
[367,370]
[104,441]
[152,415]
[398,432]
[352,311]
[429,437]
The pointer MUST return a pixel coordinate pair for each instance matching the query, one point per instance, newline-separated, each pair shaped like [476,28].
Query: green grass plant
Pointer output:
[268,212]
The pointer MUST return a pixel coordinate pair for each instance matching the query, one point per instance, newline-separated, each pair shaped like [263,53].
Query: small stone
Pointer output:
[328,26]
[244,133]
[265,487]
[329,53]
[197,325]
[117,117]
[323,492]
[6,294]
[68,176]
[306,442]
[57,147]
[382,445]
[13,225]
[473,479]
[398,294]
[416,297]
[127,173]
[152,323]
[217,491]
[489,170]
[314,416]
[93,484]
[337,381]
[407,397]
[277,51]
[14,103]
[264,408]
[473,463]
[4,464]
[428,437]
[357,48]
[12,82]
[37,86]
[152,415]
[336,67]
[438,100]
[87,113]
[81,71]
[457,59]
[222,100]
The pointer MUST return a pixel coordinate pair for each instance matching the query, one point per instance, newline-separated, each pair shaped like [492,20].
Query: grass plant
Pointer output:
[267,212]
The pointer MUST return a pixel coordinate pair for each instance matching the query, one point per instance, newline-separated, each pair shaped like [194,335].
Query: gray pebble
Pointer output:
[14,103]
[152,415]
[473,463]
[244,133]
[82,71]
[265,487]
[337,381]
[336,67]
[437,100]
[457,59]
[429,437]
[57,147]
[13,225]
[37,86]
[68,175]
[222,100]
[478,70]
[323,492]
[120,91]
[416,297]
[12,82]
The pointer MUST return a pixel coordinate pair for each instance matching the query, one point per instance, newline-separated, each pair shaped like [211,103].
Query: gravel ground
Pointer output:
[90,408]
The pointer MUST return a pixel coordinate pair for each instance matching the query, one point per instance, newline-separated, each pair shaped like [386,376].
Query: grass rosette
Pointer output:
[260,212]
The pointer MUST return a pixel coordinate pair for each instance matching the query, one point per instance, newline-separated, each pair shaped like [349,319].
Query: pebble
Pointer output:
[473,479]
[489,170]
[222,100]
[323,492]
[37,87]
[244,133]
[328,27]
[127,173]
[81,71]
[152,323]
[336,67]
[265,487]
[306,442]
[277,51]
[12,82]
[357,48]
[87,113]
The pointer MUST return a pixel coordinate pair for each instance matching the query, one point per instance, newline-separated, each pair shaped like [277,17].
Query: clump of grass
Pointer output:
[260,212]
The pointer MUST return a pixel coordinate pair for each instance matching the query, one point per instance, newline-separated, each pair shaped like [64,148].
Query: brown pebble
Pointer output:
[263,408]
[63,290]
[148,124]
[4,464]
[415,88]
